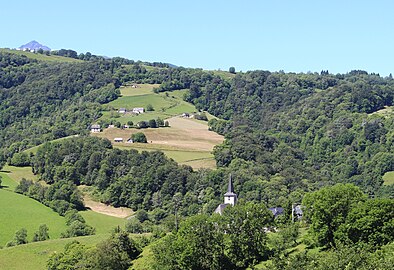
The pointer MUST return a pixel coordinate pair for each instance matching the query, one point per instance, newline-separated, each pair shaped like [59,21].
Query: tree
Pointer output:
[166,123]
[41,234]
[197,245]
[328,208]
[231,70]
[149,107]
[1,181]
[159,122]
[139,137]
[130,123]
[152,123]
[74,256]
[117,252]
[20,238]
[243,227]
[370,222]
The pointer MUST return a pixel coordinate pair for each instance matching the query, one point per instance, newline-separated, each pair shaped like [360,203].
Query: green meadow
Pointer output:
[34,256]
[19,211]
[165,105]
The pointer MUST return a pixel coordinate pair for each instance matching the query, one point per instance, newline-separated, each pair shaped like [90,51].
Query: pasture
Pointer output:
[187,141]
[165,105]
[34,256]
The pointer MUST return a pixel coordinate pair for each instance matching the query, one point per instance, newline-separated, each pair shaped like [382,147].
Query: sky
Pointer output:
[290,35]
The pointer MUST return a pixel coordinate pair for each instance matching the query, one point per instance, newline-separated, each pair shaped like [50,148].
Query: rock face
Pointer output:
[34,45]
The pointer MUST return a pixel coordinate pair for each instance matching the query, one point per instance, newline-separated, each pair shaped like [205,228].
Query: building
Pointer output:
[230,198]
[95,128]
[138,110]
[122,110]
[277,211]
[118,140]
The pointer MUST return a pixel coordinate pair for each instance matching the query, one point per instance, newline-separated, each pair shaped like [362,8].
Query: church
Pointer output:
[230,198]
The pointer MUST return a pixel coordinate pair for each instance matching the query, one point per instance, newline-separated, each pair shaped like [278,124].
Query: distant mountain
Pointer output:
[34,45]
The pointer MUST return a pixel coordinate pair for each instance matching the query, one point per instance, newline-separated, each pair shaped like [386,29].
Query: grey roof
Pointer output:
[220,208]
[276,211]
[230,188]
[95,126]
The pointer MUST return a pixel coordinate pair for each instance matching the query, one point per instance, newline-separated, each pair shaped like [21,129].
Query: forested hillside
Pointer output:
[43,101]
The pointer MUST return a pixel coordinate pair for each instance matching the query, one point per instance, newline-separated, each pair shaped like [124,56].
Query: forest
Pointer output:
[290,138]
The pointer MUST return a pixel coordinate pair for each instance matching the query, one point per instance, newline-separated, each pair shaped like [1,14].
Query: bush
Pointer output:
[139,137]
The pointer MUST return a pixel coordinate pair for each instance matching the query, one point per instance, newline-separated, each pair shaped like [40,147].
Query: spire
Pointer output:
[230,188]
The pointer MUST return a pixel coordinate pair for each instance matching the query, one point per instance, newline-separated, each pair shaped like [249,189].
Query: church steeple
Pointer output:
[230,197]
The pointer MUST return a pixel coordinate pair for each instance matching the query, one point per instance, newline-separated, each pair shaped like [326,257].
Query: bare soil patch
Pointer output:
[121,212]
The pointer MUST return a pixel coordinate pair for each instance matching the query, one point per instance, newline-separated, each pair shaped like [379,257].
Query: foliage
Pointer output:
[232,241]
[369,222]
[76,225]
[327,209]
[245,239]
[61,196]
[116,252]
[41,234]
[20,238]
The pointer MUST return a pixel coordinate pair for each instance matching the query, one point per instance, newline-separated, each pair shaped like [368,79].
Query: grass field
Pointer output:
[386,112]
[19,211]
[187,141]
[42,57]
[34,256]
[17,173]
[388,178]
[165,105]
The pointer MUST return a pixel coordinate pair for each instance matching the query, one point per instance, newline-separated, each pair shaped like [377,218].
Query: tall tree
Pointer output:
[328,208]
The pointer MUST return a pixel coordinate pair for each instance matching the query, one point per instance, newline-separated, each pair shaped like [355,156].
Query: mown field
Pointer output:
[41,57]
[187,141]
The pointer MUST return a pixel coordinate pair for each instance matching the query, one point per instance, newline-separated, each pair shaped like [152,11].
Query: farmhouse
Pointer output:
[138,110]
[122,110]
[118,139]
[230,198]
[95,128]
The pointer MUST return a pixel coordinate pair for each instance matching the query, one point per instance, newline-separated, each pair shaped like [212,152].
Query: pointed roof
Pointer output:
[230,189]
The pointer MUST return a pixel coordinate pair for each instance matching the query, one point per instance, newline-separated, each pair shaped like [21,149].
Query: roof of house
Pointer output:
[221,207]
[95,126]
[276,211]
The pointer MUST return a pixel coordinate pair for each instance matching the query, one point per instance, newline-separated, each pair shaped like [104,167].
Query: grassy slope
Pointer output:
[165,105]
[41,57]
[19,211]
[34,256]
[388,178]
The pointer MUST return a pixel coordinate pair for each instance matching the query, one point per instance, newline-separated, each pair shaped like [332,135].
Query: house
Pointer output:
[122,110]
[230,198]
[134,86]
[138,110]
[297,212]
[111,126]
[130,140]
[277,211]
[95,128]
[118,140]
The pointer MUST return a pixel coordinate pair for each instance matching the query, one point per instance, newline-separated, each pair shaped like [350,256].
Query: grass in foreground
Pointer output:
[34,256]
[19,211]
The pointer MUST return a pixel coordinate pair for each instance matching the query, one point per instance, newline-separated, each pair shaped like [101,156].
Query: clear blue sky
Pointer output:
[290,35]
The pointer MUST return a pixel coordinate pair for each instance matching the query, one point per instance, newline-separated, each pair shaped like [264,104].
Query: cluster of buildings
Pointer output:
[230,199]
